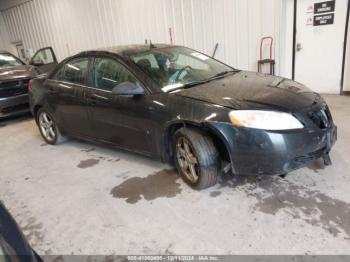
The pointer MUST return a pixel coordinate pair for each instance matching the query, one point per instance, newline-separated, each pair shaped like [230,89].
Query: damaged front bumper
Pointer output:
[262,152]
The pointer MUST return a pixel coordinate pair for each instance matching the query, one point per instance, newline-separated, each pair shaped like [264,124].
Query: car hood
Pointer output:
[17,72]
[251,90]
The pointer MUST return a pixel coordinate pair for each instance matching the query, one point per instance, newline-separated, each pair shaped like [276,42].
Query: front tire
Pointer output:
[48,128]
[196,158]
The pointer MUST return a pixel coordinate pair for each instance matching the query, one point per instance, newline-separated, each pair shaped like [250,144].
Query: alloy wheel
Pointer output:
[187,159]
[47,126]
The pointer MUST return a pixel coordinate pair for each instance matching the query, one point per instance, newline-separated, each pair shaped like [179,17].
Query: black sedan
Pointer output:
[14,78]
[177,104]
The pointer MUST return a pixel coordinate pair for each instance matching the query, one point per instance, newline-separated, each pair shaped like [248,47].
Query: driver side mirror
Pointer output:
[127,89]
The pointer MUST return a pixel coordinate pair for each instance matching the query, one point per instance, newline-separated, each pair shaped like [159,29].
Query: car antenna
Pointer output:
[151,45]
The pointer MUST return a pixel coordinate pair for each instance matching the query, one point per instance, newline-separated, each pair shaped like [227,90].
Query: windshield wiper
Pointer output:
[184,86]
[194,83]
[199,82]
[209,79]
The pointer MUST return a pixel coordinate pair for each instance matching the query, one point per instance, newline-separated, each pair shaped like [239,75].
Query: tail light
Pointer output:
[30,88]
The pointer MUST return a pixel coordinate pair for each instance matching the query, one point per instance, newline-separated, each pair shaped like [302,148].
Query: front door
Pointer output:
[44,60]
[320,28]
[118,119]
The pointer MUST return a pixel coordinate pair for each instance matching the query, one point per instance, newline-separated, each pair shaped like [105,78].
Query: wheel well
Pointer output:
[219,144]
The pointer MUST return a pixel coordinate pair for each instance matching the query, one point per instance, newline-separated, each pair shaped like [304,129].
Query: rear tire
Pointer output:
[48,128]
[196,158]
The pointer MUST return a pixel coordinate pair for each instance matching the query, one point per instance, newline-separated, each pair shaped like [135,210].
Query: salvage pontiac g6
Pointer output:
[177,104]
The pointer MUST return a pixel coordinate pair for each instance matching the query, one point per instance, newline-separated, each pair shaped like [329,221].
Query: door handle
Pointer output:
[98,97]
[94,98]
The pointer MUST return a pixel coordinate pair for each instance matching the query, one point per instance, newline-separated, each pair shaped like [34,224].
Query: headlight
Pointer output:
[269,120]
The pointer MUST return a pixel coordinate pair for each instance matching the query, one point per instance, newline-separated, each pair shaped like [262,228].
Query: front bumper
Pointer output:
[255,151]
[14,105]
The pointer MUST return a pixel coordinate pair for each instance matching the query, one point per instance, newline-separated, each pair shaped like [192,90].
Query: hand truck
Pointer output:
[269,60]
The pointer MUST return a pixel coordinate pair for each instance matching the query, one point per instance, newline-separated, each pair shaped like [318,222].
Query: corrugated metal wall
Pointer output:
[74,25]
[5,43]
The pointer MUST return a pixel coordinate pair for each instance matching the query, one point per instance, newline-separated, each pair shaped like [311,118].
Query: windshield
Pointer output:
[176,67]
[8,60]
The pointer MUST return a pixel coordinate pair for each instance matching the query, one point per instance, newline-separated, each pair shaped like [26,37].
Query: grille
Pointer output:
[321,118]
[13,88]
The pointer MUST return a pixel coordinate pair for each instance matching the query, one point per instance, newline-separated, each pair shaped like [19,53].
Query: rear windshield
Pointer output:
[8,60]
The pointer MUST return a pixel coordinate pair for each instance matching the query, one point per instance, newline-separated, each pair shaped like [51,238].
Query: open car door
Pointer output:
[44,60]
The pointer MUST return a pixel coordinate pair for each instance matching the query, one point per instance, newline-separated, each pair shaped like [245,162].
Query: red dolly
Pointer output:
[269,60]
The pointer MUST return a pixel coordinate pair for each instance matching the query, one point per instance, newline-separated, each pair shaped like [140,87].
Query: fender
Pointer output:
[167,130]
[215,130]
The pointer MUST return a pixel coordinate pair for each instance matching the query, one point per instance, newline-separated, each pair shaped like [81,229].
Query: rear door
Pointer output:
[122,120]
[66,96]
[44,60]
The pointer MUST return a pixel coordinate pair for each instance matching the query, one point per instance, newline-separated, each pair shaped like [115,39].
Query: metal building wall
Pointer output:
[74,25]
[5,43]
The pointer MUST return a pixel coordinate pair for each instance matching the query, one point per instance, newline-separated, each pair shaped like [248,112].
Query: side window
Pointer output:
[108,73]
[74,71]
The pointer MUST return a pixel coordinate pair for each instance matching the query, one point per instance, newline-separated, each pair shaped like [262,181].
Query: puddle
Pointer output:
[312,206]
[88,163]
[215,193]
[276,195]
[157,185]
[113,160]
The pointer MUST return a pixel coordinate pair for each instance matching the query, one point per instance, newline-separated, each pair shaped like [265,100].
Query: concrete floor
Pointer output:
[79,198]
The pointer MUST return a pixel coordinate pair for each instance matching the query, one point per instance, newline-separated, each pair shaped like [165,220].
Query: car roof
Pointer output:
[126,50]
